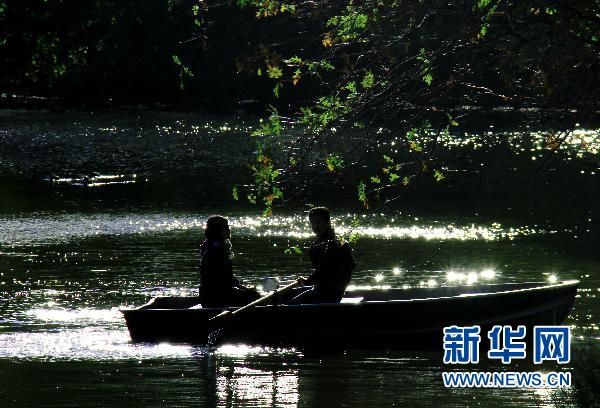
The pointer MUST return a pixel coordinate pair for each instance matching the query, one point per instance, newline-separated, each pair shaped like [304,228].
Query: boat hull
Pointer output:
[411,323]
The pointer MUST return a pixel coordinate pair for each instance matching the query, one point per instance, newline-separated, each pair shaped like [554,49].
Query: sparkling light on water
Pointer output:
[83,315]
[61,228]
[244,350]
[268,388]
[88,343]
[487,274]
[470,277]
[432,283]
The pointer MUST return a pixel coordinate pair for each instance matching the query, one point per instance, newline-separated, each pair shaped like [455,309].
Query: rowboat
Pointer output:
[411,318]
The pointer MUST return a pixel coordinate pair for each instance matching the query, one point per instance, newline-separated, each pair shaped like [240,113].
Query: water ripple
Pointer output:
[53,228]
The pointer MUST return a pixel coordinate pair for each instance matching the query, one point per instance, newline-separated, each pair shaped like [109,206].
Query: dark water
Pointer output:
[72,255]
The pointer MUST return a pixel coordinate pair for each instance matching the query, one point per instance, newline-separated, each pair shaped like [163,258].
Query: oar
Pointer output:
[218,322]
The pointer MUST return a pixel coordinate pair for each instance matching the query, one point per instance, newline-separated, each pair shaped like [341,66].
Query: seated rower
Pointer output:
[218,286]
[331,259]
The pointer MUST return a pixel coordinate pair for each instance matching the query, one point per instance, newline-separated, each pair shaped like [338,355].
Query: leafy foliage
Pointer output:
[378,59]
[347,84]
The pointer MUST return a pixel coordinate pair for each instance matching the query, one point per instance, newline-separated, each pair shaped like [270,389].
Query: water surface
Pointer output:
[73,252]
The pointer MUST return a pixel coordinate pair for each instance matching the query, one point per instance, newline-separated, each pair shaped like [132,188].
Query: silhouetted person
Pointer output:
[331,260]
[218,286]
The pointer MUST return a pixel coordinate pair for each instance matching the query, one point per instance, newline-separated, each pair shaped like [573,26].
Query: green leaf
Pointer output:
[428,79]
[353,238]
[351,86]
[234,193]
[423,57]
[334,162]
[415,146]
[270,127]
[368,80]
[350,25]
[361,21]
[293,250]
[484,29]
[297,75]
[412,133]
[274,72]
[481,4]
[362,195]
[438,175]
[294,60]
[326,65]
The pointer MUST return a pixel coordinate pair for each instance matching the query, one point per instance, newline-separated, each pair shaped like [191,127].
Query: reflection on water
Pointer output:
[112,143]
[90,343]
[354,379]
[255,387]
[91,181]
[241,351]
[470,278]
[58,227]
[578,142]
[83,315]
[63,279]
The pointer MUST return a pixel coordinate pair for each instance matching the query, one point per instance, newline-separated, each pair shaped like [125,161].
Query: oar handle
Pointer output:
[257,302]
